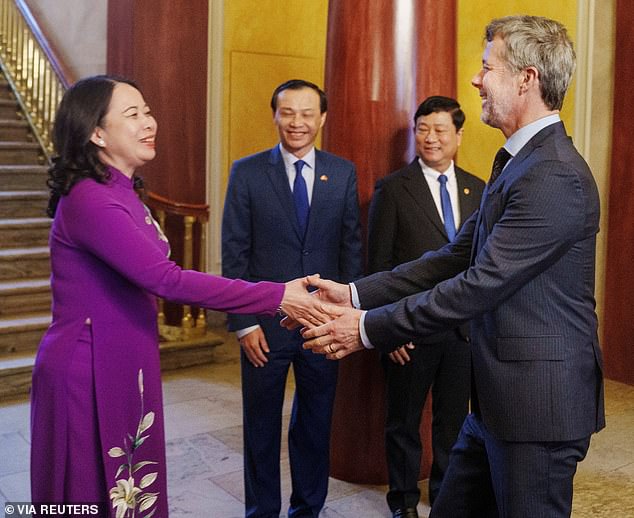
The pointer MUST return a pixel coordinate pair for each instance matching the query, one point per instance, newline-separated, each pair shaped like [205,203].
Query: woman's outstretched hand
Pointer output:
[309,309]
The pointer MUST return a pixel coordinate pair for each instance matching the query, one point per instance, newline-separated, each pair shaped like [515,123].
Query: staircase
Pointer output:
[24,259]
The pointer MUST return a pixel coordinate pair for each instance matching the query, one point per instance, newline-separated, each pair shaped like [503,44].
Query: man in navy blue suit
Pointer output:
[522,270]
[290,211]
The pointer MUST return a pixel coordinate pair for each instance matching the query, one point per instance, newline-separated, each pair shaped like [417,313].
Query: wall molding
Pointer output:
[214,162]
[583,94]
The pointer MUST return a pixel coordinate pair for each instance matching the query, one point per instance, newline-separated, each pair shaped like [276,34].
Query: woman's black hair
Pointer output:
[83,108]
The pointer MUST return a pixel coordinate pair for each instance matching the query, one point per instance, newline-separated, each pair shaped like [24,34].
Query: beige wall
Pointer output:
[77,28]
[481,142]
[599,127]
[263,47]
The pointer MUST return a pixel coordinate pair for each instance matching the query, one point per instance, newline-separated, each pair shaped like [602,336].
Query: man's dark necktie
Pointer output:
[447,212]
[300,195]
[500,160]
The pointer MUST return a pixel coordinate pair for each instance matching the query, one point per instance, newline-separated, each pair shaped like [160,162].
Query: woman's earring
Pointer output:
[101,143]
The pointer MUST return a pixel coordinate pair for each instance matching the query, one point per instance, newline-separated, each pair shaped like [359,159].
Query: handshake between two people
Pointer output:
[330,323]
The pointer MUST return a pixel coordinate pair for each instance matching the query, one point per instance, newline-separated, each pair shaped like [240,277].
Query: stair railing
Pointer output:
[192,215]
[32,68]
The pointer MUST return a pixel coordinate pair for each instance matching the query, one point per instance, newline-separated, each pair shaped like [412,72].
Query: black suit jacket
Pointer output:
[403,221]
[522,270]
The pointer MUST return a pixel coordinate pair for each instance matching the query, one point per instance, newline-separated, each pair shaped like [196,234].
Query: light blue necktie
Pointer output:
[300,195]
[447,212]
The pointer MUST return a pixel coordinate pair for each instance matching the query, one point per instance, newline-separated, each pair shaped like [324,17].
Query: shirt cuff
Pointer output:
[354,296]
[364,336]
[244,332]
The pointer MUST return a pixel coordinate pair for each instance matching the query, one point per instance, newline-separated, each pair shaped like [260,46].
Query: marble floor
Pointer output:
[204,452]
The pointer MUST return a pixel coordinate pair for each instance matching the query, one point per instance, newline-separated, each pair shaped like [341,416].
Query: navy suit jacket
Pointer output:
[522,270]
[261,239]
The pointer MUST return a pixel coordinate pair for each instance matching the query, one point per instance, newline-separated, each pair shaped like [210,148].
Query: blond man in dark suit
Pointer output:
[522,270]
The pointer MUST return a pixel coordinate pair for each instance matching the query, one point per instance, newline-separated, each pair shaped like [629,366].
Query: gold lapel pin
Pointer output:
[466,190]
[323,178]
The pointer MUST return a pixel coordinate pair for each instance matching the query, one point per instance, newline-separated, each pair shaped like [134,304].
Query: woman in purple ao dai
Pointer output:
[96,405]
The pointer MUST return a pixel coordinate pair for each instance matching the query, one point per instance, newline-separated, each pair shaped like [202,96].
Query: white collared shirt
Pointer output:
[431,176]
[308,171]
[520,138]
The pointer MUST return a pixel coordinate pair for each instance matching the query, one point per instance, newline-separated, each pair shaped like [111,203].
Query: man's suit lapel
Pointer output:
[524,153]
[319,199]
[515,165]
[277,175]
[466,199]
[415,184]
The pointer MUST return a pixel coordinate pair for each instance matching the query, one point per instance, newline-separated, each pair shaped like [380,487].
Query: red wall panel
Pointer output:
[618,332]
[162,45]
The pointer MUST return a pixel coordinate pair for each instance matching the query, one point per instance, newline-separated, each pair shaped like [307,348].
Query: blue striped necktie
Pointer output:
[300,195]
[447,211]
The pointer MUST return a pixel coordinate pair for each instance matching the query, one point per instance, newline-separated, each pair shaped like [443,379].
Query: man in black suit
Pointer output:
[522,271]
[408,217]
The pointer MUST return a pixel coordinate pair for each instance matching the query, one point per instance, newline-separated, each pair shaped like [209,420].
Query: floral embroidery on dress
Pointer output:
[126,496]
